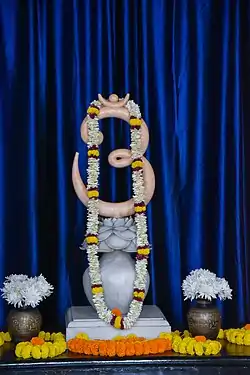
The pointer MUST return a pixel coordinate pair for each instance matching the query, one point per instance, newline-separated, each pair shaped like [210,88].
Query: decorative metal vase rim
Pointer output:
[24,308]
[203,301]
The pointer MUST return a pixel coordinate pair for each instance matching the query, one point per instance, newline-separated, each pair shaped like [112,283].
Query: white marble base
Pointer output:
[85,319]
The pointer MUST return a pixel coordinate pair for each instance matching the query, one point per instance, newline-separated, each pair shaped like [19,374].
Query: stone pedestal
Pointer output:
[85,319]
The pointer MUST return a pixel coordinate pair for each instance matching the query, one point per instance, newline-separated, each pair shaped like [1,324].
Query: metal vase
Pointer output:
[23,324]
[204,320]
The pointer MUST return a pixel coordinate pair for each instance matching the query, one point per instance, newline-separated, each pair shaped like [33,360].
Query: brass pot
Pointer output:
[24,323]
[204,320]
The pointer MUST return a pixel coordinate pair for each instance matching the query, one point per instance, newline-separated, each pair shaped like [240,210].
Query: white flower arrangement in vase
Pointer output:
[25,294]
[203,284]
[22,291]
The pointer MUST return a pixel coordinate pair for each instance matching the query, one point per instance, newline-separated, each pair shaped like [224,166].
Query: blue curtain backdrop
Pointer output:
[187,64]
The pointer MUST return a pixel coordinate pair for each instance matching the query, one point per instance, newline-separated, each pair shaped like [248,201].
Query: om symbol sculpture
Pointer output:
[117,231]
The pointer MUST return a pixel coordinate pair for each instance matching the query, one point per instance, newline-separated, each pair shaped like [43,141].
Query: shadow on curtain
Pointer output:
[187,65]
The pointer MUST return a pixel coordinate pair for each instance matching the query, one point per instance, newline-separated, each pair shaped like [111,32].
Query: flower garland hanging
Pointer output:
[143,249]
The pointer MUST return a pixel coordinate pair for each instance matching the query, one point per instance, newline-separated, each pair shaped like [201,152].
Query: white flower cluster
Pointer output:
[23,291]
[203,284]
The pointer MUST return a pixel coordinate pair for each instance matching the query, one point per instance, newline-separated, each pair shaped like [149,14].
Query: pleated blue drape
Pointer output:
[187,64]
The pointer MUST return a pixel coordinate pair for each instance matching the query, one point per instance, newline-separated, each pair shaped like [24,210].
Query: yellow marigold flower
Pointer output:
[198,347]
[246,340]
[177,339]
[187,334]
[117,323]
[63,346]
[93,153]
[97,290]
[57,349]
[190,347]
[239,339]
[41,334]
[44,351]
[135,121]
[93,194]
[232,336]
[52,351]
[139,294]
[82,335]
[47,336]
[23,343]
[26,351]
[182,348]
[221,334]
[186,340]
[175,347]
[7,337]
[58,336]
[145,251]
[140,208]
[137,164]
[52,336]
[92,239]
[93,110]
[18,351]
[1,341]
[178,333]
[36,352]
[165,335]
[208,350]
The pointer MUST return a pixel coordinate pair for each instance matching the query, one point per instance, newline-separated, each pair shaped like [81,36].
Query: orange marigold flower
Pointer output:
[153,346]
[94,348]
[139,348]
[200,338]
[146,348]
[87,348]
[102,348]
[130,349]
[37,341]
[247,326]
[121,348]
[111,348]
[163,345]
[116,312]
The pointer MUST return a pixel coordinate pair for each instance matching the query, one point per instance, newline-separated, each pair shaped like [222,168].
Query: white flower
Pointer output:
[205,285]
[24,291]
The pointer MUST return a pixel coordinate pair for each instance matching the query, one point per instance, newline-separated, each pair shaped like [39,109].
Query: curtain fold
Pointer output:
[186,63]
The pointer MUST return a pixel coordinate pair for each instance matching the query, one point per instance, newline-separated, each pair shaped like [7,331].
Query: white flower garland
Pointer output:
[104,313]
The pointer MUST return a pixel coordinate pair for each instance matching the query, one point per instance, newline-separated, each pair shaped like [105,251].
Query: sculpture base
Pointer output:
[84,319]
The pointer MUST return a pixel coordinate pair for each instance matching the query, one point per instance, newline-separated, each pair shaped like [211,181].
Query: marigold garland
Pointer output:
[199,345]
[238,336]
[46,345]
[143,249]
[4,337]
[120,346]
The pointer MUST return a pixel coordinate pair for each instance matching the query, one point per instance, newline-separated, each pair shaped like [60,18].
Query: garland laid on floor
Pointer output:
[44,346]
[126,346]
[132,345]
[143,249]
[238,336]
[199,345]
